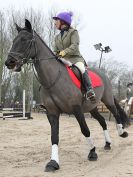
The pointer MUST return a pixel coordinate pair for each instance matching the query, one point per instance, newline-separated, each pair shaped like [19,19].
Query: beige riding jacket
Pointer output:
[69,42]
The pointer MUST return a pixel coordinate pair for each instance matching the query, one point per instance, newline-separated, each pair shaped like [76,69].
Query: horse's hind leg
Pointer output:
[115,109]
[122,133]
[77,111]
[102,122]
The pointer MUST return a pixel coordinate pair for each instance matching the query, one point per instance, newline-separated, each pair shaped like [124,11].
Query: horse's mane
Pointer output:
[45,44]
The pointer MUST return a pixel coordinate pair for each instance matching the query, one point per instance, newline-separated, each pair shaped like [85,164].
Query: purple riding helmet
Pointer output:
[65,16]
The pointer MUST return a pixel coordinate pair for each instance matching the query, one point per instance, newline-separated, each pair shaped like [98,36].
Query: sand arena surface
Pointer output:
[25,148]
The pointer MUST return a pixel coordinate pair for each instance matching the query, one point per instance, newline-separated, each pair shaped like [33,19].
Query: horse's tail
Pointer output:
[124,118]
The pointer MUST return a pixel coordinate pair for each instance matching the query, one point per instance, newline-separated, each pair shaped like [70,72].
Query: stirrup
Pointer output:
[90,95]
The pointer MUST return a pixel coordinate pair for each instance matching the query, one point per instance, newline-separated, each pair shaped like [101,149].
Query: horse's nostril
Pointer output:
[12,61]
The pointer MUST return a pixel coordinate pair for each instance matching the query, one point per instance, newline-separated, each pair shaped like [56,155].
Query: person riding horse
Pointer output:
[129,93]
[57,97]
[67,47]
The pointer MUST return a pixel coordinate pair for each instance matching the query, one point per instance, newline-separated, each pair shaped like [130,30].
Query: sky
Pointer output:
[109,22]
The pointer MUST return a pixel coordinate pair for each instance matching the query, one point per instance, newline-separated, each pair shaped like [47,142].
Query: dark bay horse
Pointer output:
[59,94]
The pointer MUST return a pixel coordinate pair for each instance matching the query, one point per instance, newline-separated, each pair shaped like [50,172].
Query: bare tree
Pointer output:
[4,46]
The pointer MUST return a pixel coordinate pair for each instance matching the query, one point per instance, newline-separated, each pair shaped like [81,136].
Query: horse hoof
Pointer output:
[107,146]
[124,135]
[92,155]
[52,166]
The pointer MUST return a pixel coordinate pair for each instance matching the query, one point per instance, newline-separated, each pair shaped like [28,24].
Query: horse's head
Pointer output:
[22,48]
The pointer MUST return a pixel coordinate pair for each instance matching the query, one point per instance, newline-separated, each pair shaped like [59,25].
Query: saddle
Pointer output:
[76,78]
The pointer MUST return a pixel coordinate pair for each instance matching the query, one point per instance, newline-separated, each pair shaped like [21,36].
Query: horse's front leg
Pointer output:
[77,111]
[54,162]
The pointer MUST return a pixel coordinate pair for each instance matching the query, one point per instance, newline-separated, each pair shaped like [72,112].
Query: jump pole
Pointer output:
[23,103]
[15,115]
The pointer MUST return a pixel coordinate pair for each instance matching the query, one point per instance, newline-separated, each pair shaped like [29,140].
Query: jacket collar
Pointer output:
[63,37]
[65,34]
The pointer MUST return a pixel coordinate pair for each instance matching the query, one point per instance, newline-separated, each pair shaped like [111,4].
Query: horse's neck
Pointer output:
[42,49]
[46,66]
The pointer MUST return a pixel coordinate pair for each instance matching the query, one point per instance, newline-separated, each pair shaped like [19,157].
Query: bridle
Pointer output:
[25,56]
[25,59]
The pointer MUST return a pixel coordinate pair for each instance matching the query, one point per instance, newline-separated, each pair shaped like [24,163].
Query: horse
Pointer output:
[127,105]
[59,94]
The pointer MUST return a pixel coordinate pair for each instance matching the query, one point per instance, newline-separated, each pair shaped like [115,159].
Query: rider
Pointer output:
[129,91]
[67,47]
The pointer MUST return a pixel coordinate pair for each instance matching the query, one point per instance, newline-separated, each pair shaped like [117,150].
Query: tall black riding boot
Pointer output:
[90,94]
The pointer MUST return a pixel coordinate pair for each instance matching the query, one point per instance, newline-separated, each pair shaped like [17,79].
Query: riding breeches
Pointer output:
[80,66]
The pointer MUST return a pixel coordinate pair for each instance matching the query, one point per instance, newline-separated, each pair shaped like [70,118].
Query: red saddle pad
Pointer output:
[96,80]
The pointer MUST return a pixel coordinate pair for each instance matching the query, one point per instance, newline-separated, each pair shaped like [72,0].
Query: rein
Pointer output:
[26,60]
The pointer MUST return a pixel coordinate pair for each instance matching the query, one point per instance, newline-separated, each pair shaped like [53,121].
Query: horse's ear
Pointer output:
[28,25]
[18,28]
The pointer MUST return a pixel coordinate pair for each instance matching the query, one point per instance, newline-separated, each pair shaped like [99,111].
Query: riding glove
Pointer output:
[62,53]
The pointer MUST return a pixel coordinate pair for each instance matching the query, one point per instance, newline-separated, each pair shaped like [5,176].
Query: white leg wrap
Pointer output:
[91,143]
[54,155]
[107,137]
[120,129]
